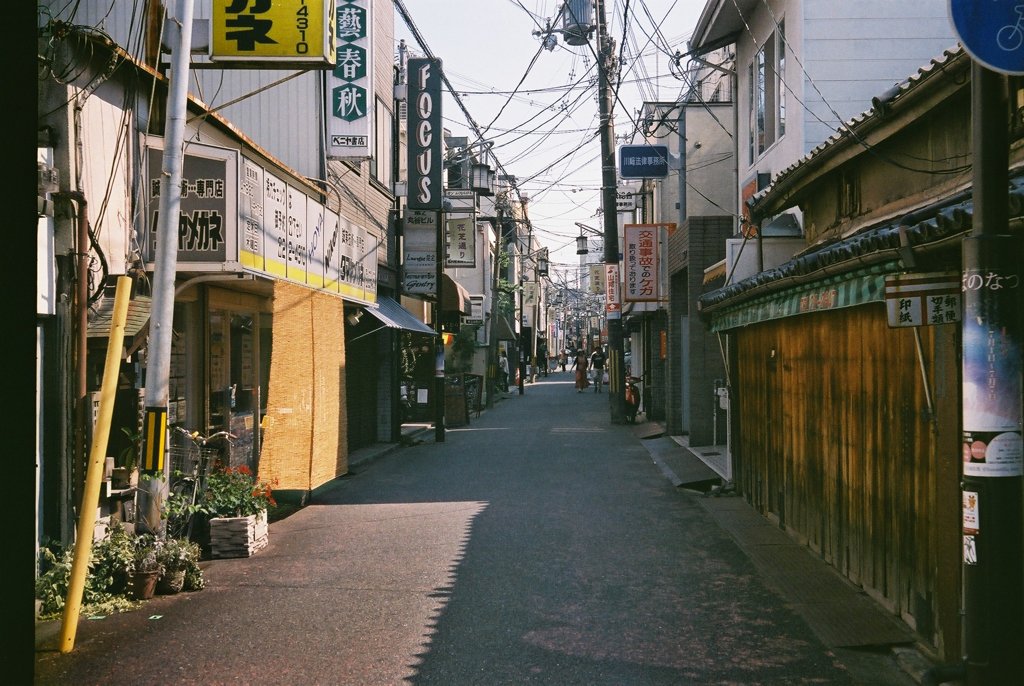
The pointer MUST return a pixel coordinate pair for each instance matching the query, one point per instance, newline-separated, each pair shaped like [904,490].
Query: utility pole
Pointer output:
[993,561]
[158,361]
[613,306]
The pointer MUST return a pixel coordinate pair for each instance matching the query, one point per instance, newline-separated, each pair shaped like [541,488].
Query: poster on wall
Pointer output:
[250,215]
[275,225]
[296,236]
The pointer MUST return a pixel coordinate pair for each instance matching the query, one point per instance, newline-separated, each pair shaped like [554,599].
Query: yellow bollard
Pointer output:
[94,472]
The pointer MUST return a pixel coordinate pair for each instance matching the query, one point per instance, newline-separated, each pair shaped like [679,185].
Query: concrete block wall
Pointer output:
[707,246]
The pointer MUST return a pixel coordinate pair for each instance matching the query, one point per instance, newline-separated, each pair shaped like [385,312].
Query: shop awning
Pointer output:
[391,313]
[454,298]
[101,319]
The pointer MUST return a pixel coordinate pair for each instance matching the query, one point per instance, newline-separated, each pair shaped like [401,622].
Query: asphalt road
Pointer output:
[537,545]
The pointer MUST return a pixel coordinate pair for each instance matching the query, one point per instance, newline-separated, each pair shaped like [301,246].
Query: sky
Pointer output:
[539,107]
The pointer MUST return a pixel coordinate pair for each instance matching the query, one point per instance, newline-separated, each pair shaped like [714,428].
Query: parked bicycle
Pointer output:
[192,456]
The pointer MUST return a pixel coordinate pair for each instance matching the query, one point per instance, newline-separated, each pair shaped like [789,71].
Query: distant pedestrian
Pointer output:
[563,359]
[597,360]
[579,363]
[503,371]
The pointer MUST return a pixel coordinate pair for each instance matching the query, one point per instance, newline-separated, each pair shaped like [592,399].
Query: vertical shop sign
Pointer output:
[641,258]
[296,253]
[424,124]
[350,83]
[250,216]
[461,242]
[613,292]
[419,257]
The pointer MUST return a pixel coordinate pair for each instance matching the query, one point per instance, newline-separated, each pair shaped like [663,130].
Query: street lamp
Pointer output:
[581,241]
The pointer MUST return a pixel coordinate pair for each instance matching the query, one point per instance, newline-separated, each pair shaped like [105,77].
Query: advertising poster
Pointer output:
[992,444]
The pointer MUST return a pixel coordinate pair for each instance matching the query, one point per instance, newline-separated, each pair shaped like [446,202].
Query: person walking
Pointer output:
[579,363]
[597,360]
[503,371]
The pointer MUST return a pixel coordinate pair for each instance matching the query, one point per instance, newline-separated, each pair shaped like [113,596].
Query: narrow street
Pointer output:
[537,545]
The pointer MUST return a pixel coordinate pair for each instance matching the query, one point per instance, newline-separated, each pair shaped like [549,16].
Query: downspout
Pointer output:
[82,333]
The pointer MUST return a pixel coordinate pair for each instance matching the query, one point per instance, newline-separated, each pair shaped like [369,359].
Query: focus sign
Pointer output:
[991,32]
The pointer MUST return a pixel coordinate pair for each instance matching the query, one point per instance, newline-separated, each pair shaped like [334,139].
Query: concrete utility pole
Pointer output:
[613,311]
[158,361]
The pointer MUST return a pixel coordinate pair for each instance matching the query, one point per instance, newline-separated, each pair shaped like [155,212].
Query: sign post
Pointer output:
[992,451]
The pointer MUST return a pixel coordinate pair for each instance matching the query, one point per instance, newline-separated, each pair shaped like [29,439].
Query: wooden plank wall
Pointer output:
[835,444]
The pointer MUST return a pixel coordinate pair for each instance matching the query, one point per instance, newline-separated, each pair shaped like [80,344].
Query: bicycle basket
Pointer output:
[183,455]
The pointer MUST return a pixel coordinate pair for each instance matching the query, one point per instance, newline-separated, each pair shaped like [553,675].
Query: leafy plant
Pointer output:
[235,492]
[176,555]
[129,456]
[463,347]
[109,563]
[145,558]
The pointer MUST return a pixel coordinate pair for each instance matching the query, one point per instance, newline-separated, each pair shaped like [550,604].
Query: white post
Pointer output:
[165,260]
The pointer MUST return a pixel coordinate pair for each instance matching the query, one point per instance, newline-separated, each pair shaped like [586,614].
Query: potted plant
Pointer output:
[125,473]
[145,567]
[179,560]
[236,503]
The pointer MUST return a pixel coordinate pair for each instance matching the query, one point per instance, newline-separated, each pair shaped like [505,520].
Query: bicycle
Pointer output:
[192,455]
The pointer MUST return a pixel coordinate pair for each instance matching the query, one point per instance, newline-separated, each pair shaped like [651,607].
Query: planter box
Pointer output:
[238,536]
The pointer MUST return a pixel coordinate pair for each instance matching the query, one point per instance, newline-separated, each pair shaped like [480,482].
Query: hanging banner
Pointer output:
[283,34]
[640,253]
[425,133]
[597,279]
[613,294]
[350,110]
[461,242]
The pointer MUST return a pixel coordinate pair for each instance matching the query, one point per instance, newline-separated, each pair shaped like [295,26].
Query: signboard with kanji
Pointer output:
[351,98]
[640,255]
[461,242]
[278,34]
[924,299]
[643,161]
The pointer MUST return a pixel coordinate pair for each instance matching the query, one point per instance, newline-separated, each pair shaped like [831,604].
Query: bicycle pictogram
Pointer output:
[1011,36]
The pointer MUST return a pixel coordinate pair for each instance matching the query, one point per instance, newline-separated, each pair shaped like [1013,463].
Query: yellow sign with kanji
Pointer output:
[274,33]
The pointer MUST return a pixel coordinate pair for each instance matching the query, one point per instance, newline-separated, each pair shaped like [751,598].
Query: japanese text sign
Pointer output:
[922,299]
[640,253]
[273,33]
[350,92]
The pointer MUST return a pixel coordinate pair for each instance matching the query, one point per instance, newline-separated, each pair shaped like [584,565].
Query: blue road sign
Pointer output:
[644,161]
[991,32]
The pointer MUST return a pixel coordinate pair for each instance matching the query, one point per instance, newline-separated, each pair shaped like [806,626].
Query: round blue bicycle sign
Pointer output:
[991,31]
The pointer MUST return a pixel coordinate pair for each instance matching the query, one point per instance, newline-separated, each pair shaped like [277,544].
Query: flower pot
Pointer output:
[171,582]
[143,584]
[238,536]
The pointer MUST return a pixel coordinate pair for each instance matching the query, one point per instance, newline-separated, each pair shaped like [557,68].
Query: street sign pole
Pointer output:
[993,564]
[992,530]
